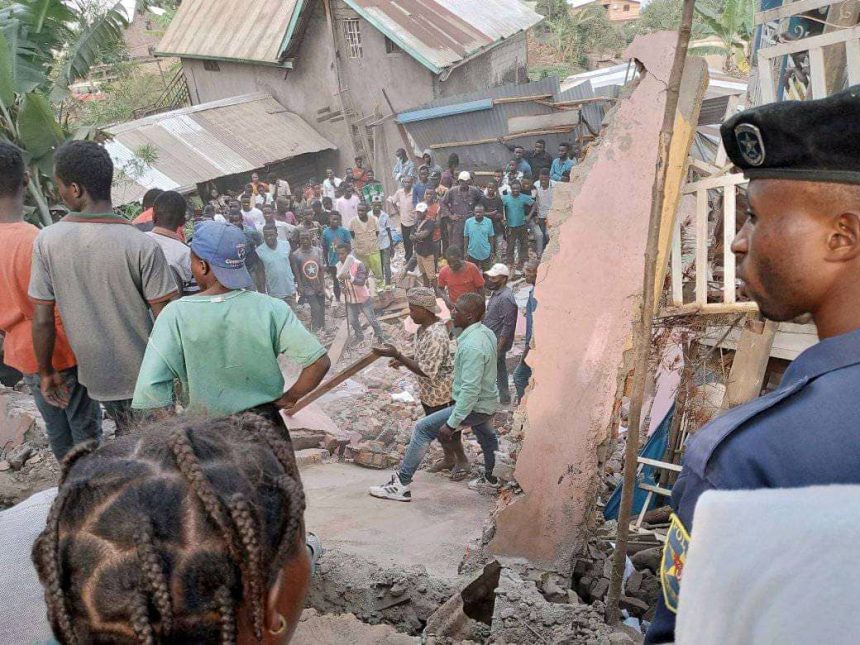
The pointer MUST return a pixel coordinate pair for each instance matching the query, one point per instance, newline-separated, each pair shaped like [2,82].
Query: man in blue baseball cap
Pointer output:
[223,343]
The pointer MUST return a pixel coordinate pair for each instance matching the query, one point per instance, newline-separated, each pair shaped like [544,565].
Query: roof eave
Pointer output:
[286,64]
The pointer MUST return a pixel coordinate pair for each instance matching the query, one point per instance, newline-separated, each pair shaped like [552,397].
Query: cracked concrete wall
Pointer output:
[588,289]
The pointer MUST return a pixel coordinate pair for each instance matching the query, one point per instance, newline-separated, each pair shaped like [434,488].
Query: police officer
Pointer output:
[798,253]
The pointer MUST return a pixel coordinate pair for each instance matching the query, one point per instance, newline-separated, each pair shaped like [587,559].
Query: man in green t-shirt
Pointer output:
[223,344]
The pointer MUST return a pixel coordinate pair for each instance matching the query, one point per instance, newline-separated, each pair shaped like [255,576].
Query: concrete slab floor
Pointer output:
[432,530]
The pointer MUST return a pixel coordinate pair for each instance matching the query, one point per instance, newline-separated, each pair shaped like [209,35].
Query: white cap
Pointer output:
[421,207]
[499,269]
[464,176]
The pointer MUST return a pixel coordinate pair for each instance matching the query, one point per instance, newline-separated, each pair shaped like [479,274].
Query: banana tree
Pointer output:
[732,27]
[45,45]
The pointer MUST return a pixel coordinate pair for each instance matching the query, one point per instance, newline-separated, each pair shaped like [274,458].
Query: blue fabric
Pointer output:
[524,167]
[654,448]
[801,434]
[515,209]
[418,190]
[331,237]
[280,282]
[531,307]
[560,167]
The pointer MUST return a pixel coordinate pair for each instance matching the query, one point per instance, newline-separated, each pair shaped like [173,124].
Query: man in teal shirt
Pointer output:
[480,239]
[476,397]
[516,205]
[274,257]
[223,344]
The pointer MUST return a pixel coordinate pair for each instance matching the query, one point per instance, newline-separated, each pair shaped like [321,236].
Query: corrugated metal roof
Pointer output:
[207,141]
[441,33]
[229,30]
[485,124]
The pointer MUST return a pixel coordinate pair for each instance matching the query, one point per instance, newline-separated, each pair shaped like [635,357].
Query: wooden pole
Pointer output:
[642,328]
[333,382]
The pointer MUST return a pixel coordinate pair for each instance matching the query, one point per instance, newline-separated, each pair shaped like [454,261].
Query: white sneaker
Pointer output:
[394,489]
[483,485]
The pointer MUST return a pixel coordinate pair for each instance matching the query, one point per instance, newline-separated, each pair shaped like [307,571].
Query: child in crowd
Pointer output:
[353,276]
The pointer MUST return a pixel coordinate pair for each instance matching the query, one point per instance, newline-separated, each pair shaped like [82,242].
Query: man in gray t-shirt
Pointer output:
[105,276]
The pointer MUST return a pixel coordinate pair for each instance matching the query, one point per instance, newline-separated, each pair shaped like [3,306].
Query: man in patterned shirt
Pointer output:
[432,362]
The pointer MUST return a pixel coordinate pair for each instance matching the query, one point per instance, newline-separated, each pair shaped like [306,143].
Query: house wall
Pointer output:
[621,10]
[504,63]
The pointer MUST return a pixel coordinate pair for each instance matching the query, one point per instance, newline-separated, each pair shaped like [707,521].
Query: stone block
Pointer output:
[311,456]
[634,606]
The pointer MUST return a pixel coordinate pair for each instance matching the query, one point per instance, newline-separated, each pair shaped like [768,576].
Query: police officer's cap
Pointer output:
[800,140]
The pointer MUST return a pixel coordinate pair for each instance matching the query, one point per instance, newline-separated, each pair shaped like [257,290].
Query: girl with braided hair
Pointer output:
[191,532]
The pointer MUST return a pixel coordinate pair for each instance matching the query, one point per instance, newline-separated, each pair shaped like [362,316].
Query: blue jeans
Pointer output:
[427,429]
[522,374]
[80,421]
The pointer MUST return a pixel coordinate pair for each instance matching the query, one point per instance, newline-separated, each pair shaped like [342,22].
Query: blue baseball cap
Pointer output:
[224,247]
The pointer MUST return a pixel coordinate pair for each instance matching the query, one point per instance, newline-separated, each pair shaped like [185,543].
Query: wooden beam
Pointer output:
[702,247]
[729,224]
[713,308]
[808,44]
[751,359]
[507,137]
[791,9]
[715,182]
[534,122]
[333,382]
[339,343]
[521,99]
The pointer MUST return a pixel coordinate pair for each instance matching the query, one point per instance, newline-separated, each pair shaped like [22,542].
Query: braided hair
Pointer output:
[162,537]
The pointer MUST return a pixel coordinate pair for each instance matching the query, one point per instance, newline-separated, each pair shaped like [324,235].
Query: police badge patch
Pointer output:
[750,143]
[672,566]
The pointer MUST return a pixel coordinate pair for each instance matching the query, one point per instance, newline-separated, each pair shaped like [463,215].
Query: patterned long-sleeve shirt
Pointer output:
[431,349]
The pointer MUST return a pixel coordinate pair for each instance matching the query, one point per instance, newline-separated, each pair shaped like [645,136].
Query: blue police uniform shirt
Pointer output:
[804,433]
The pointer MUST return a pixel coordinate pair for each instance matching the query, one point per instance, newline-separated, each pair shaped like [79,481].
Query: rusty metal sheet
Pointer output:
[229,30]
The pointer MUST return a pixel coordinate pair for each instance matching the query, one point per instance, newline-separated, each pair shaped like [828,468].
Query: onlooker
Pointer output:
[275,264]
[353,275]
[538,158]
[476,399]
[80,419]
[310,225]
[425,246]
[495,210]
[511,175]
[458,204]
[124,514]
[564,163]
[432,363]
[252,215]
[347,205]
[404,208]
[459,277]
[515,217]
[501,318]
[170,211]
[258,187]
[372,188]
[144,220]
[282,188]
[540,212]
[283,211]
[308,266]
[223,344]
[427,158]
[330,183]
[285,230]
[519,160]
[365,231]
[253,239]
[404,167]
[104,276]
[523,371]
[359,173]
[333,236]
[385,241]
[480,239]
[447,178]
[421,185]
[320,215]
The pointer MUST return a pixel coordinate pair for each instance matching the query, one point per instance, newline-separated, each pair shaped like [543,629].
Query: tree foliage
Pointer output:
[575,34]
[46,45]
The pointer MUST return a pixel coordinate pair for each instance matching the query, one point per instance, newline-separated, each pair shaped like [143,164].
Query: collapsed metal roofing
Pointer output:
[204,142]
[439,34]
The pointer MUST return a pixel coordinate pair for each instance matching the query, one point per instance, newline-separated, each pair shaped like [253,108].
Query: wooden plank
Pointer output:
[333,382]
[507,137]
[751,358]
[701,247]
[765,80]
[729,224]
[713,308]
[677,266]
[665,492]
[792,9]
[709,183]
[852,53]
[817,74]
[556,119]
[722,156]
[704,166]
[808,44]
[659,464]
[339,343]
[521,99]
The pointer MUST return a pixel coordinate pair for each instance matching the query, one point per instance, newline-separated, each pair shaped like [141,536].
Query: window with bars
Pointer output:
[352,34]
[391,47]
[211,66]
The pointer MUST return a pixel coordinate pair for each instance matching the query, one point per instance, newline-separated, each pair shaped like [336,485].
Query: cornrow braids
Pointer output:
[164,536]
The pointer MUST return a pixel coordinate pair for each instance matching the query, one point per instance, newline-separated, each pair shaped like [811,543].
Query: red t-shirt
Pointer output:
[466,280]
[16,308]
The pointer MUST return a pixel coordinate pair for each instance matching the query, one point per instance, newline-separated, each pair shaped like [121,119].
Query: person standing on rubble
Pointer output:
[501,319]
[476,400]
[432,363]
[523,372]
[798,252]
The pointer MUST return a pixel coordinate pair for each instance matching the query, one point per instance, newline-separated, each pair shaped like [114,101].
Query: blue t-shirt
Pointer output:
[560,167]
[331,237]
[515,209]
[280,282]
[479,234]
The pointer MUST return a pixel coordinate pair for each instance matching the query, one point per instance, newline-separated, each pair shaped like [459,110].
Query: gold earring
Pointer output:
[282,626]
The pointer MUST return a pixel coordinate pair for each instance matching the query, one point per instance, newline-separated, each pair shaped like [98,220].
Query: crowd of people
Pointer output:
[184,311]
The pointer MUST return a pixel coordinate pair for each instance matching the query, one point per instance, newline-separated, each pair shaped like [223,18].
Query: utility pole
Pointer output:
[642,329]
